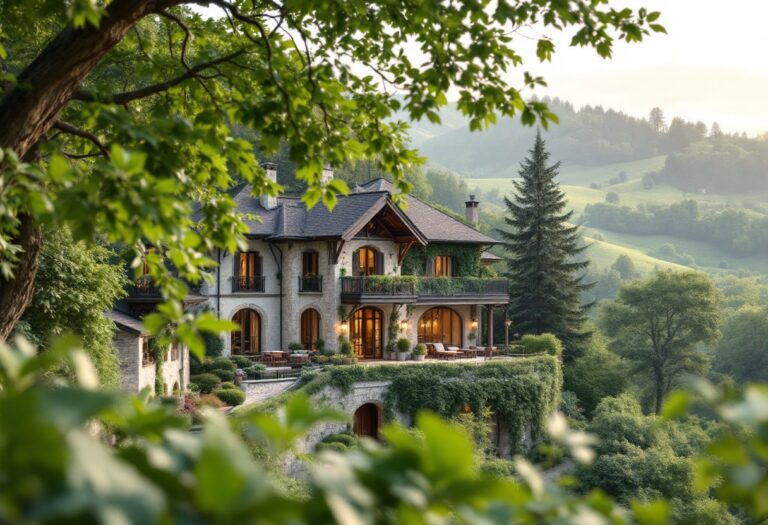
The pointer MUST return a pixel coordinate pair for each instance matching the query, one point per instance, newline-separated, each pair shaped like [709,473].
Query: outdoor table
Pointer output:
[472,352]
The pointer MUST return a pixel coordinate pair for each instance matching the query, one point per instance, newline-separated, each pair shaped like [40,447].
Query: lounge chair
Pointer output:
[452,352]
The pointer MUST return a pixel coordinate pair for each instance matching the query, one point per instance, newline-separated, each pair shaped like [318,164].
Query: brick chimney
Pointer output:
[327,174]
[269,202]
[472,213]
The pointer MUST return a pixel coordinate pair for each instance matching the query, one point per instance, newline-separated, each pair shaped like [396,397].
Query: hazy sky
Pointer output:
[712,66]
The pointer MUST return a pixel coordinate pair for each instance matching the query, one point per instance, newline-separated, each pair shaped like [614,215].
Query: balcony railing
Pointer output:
[310,283]
[144,288]
[461,286]
[251,283]
[412,289]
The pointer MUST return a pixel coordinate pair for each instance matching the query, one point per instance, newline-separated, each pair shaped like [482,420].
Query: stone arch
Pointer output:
[176,390]
[441,324]
[264,323]
[367,419]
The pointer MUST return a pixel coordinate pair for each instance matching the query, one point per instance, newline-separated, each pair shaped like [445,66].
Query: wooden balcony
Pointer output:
[409,289]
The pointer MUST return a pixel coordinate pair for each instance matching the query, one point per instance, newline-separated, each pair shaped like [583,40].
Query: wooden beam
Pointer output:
[404,249]
[337,253]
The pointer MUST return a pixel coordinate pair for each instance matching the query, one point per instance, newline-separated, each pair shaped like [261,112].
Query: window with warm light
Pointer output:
[442,266]
[367,261]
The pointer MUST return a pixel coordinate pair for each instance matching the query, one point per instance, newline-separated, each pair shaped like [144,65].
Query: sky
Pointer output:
[712,66]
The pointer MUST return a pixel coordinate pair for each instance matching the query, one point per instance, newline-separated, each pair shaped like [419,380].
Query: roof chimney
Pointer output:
[269,202]
[472,213]
[327,174]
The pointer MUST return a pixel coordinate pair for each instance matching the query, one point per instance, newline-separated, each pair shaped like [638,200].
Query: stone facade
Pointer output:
[135,375]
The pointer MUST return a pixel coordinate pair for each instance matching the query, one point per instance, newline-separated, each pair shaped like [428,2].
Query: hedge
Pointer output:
[224,374]
[230,396]
[206,382]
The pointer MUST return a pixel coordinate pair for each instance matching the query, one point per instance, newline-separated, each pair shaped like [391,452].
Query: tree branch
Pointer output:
[65,127]
[129,96]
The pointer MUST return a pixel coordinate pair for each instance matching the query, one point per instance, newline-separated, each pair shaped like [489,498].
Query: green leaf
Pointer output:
[656,512]
[676,405]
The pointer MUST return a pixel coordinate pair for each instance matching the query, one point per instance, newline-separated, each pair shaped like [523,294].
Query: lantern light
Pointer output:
[403,325]
[473,324]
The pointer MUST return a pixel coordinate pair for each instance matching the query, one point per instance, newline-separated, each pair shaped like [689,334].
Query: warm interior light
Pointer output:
[508,322]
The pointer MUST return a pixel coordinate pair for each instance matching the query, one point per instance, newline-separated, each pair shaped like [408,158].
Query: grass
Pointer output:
[575,182]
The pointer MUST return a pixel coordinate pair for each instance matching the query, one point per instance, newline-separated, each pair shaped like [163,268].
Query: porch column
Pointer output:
[489,337]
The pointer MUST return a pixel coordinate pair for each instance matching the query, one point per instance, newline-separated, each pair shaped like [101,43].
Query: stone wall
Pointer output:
[128,348]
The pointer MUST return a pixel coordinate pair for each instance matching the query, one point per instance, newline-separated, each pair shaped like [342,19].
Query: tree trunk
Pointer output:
[33,105]
[658,378]
[30,108]
[16,294]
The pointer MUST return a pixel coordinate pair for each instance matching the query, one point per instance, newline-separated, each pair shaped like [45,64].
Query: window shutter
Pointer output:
[356,262]
[259,265]
[235,270]
[379,263]
[452,262]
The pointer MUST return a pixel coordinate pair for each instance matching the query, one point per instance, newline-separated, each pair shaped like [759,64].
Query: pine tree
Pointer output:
[544,268]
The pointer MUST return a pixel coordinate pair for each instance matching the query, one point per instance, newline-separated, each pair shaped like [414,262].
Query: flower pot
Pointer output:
[419,357]
[403,356]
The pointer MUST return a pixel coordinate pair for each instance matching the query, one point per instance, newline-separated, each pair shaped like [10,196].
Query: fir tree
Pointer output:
[544,268]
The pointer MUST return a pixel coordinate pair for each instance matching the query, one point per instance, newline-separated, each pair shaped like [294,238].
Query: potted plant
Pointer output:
[295,347]
[320,346]
[471,336]
[419,352]
[403,349]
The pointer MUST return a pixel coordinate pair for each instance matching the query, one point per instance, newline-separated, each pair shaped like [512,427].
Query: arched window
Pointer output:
[310,327]
[246,339]
[440,325]
[366,332]
[368,261]
[366,421]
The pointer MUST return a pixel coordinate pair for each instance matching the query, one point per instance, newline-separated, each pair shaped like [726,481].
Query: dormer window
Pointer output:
[443,266]
[368,261]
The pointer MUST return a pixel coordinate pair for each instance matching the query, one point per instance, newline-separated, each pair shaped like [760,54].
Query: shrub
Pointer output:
[222,363]
[228,385]
[345,438]
[320,345]
[255,370]
[321,359]
[206,382]
[224,374]
[346,347]
[241,361]
[335,446]
[420,349]
[230,396]
[294,345]
[547,342]
[498,467]
[214,344]
[195,366]
[403,345]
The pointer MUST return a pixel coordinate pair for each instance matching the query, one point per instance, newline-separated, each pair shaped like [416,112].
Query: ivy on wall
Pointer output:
[466,259]
[159,350]
[522,392]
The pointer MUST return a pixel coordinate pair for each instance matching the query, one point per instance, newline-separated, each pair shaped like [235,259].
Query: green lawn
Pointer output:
[575,182]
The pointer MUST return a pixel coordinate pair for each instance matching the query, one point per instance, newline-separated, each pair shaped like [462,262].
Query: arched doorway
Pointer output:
[247,339]
[366,332]
[310,327]
[440,325]
[366,421]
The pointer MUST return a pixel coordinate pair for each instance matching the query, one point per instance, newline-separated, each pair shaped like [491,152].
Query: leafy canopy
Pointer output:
[146,119]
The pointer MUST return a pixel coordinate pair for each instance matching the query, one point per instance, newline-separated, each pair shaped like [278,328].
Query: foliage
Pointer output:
[640,458]
[159,350]
[294,345]
[656,324]
[345,347]
[76,284]
[403,345]
[420,349]
[430,474]
[393,326]
[569,406]
[544,343]
[231,396]
[319,345]
[737,231]
[223,374]
[625,267]
[466,259]
[339,442]
[241,361]
[206,382]
[542,254]
[599,373]
[743,349]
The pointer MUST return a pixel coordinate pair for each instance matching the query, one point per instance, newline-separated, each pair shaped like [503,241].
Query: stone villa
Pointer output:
[314,274]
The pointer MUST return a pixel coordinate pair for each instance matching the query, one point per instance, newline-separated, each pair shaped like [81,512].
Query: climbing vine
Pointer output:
[522,392]
[392,328]
[466,259]
[158,349]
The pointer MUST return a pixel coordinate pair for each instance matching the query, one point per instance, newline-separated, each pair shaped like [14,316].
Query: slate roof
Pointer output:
[290,219]
[127,322]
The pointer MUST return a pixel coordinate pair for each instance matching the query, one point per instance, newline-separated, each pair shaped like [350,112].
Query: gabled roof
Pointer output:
[290,219]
